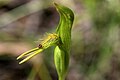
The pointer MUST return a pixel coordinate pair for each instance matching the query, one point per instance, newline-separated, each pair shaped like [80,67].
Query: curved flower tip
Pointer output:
[29,54]
[26,53]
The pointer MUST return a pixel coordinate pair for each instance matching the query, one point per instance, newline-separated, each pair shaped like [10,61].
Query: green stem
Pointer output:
[61,78]
[32,74]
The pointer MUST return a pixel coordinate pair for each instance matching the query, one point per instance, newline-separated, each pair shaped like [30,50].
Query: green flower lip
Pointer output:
[47,42]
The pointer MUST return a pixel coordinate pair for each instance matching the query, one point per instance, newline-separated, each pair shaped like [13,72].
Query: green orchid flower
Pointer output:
[61,39]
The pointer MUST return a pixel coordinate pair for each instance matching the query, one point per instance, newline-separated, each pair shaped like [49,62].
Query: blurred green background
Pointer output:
[95,50]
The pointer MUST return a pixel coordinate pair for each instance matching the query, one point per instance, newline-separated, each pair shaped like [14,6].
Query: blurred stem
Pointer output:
[43,72]
[61,78]
[39,69]
[32,74]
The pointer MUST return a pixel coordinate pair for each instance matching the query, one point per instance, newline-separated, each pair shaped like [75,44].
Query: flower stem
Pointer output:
[61,78]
